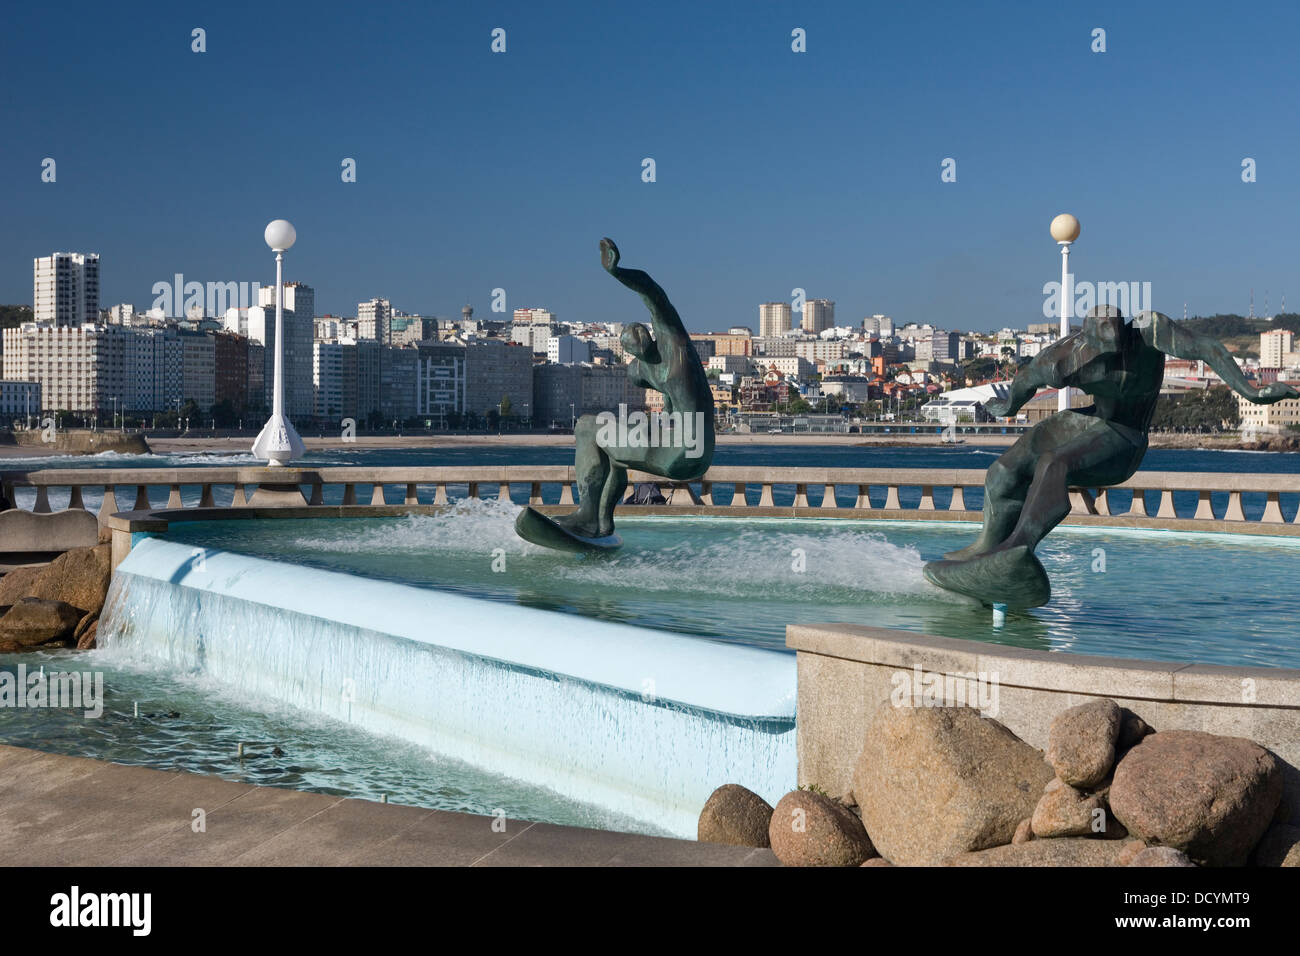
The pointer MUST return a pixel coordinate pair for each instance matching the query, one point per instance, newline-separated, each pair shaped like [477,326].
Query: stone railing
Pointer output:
[932,494]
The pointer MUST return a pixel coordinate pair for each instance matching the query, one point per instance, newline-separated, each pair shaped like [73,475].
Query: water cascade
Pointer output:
[642,722]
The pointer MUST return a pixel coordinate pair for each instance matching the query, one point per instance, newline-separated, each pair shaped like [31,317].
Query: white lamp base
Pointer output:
[277,442]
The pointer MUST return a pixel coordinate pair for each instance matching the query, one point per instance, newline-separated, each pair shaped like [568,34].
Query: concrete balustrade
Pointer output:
[812,492]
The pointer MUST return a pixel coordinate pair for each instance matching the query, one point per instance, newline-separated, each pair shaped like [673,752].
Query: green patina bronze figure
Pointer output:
[1026,491]
[676,443]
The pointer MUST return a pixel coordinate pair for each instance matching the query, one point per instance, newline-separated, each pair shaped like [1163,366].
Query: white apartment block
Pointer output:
[823,350]
[536,337]
[79,369]
[818,315]
[730,364]
[153,370]
[793,366]
[567,349]
[774,318]
[882,325]
[65,290]
[374,321]
[1269,418]
[328,371]
[1274,347]
[123,314]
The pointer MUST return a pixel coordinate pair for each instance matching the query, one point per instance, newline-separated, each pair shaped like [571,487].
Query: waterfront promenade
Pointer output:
[73,811]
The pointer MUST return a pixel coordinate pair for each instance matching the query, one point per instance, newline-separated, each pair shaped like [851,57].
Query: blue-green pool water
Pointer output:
[1199,598]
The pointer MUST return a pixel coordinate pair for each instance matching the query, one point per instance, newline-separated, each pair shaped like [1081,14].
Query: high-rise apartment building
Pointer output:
[882,325]
[440,390]
[66,288]
[374,321]
[774,318]
[198,369]
[1273,348]
[155,381]
[299,324]
[818,315]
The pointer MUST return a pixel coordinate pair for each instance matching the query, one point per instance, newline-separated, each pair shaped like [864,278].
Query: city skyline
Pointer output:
[521,160]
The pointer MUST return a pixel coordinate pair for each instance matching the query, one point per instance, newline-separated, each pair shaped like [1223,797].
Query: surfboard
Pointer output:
[1014,577]
[532,525]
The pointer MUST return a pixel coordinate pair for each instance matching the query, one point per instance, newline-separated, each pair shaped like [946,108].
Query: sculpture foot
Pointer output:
[965,554]
[1013,576]
[532,525]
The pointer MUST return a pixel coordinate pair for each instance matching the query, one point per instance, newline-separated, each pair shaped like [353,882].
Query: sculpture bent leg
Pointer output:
[1026,496]
[596,475]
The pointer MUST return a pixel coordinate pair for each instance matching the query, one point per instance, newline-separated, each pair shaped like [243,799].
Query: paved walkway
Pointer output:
[57,810]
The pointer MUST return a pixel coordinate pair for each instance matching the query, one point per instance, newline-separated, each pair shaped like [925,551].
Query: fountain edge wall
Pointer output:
[847,671]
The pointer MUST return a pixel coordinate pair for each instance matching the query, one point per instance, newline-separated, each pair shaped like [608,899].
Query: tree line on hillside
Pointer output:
[1208,410]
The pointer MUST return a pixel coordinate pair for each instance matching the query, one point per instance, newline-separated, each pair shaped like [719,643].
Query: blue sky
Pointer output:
[775,170]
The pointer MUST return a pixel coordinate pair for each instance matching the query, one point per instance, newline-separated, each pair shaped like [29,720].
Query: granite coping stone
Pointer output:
[1052,670]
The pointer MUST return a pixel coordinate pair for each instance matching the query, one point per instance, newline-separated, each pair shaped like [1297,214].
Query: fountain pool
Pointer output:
[1159,595]
[631,685]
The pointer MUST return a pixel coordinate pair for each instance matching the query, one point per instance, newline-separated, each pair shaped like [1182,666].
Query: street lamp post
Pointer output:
[278,443]
[573,417]
[1065,229]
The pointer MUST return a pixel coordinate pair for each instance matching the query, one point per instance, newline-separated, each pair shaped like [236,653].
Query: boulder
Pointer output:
[33,622]
[736,816]
[89,639]
[1128,850]
[932,782]
[1067,851]
[1280,846]
[1160,856]
[1081,742]
[17,584]
[1114,830]
[1132,729]
[810,829]
[1024,832]
[877,861]
[79,577]
[84,625]
[1209,796]
[1063,811]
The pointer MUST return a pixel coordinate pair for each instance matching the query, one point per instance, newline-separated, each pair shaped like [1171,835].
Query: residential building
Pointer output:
[564,393]
[198,369]
[818,315]
[79,369]
[65,289]
[1274,347]
[374,320]
[299,323]
[567,349]
[1276,417]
